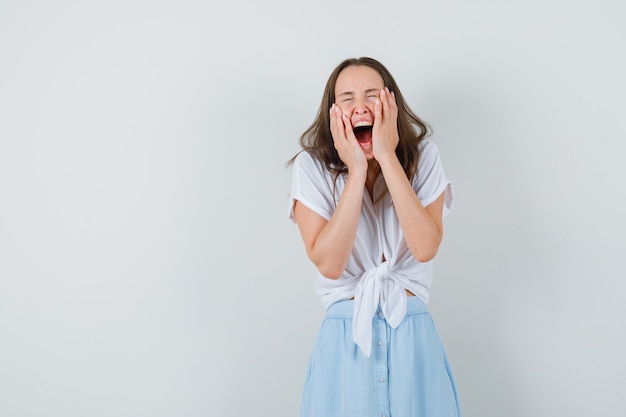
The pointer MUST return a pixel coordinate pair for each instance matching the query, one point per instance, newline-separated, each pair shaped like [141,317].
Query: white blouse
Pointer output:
[367,278]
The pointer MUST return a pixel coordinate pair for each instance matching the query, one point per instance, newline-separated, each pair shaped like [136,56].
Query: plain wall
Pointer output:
[147,266]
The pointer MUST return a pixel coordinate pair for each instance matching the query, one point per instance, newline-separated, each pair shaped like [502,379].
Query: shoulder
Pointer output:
[306,159]
[428,150]
[308,162]
[430,180]
[429,167]
[428,158]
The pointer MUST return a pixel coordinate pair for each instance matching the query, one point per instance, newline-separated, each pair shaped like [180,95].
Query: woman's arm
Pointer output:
[329,243]
[422,226]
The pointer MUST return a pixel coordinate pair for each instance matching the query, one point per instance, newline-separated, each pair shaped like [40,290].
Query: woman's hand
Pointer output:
[385,135]
[345,142]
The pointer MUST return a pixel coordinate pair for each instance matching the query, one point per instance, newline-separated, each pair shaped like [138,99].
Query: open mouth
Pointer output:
[363,132]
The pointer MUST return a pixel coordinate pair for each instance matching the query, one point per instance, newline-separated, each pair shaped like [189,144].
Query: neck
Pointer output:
[373,169]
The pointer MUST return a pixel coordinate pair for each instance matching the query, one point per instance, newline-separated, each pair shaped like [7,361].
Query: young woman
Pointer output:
[368,195]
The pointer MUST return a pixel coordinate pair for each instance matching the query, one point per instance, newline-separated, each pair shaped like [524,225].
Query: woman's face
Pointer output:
[356,90]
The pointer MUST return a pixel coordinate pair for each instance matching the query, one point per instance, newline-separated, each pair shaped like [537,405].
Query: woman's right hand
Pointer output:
[345,142]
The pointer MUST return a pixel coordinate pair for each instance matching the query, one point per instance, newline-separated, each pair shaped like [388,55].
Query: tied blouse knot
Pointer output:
[378,286]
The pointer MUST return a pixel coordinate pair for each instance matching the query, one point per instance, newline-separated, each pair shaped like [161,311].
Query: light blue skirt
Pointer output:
[407,374]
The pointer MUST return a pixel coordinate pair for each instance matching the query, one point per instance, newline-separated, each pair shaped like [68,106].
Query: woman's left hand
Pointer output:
[385,136]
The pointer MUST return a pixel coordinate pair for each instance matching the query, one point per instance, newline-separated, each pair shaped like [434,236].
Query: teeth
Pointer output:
[363,124]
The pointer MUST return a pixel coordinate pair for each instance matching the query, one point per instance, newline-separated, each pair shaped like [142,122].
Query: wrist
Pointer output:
[387,159]
[357,173]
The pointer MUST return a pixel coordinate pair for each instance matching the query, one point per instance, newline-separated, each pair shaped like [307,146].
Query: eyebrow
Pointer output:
[351,93]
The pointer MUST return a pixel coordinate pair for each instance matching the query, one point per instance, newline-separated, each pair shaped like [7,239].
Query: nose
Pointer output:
[360,106]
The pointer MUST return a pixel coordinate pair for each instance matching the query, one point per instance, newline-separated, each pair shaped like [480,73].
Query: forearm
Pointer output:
[421,232]
[332,249]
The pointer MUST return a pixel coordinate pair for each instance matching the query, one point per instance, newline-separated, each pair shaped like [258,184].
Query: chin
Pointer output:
[369,155]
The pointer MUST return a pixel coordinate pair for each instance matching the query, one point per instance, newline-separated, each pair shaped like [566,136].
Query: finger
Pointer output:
[348,131]
[384,98]
[378,112]
[331,116]
[390,108]
[336,124]
[392,99]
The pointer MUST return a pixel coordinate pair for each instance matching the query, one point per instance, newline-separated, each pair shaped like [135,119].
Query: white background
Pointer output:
[147,266]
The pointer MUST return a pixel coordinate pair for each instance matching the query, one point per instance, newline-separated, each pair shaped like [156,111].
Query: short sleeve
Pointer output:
[431,179]
[311,185]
